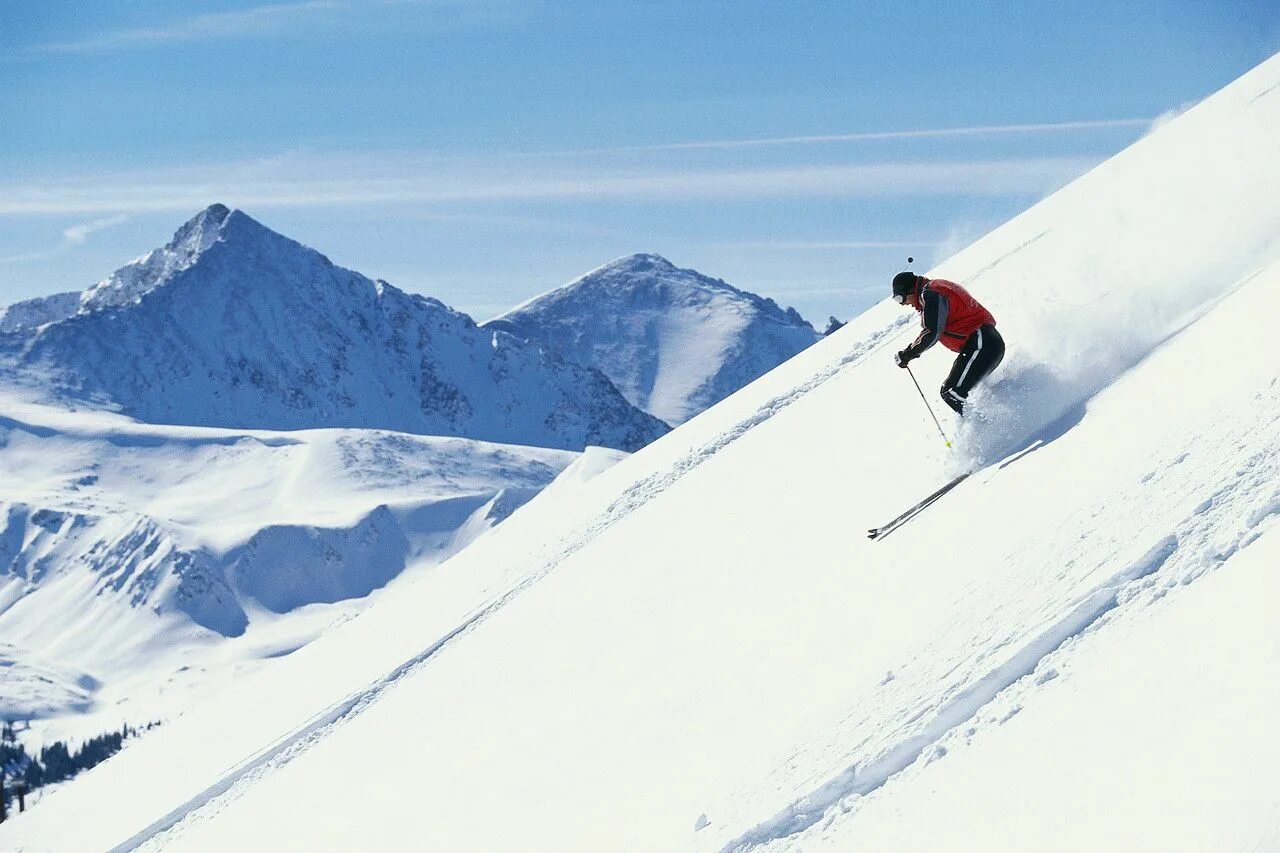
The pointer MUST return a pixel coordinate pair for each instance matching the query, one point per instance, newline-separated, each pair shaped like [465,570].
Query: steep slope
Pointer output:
[233,325]
[1178,701]
[699,649]
[674,341]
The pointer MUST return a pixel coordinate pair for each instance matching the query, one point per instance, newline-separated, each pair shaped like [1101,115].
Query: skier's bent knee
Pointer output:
[953,398]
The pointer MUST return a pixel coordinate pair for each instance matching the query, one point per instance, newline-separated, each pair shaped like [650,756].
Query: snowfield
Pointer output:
[698,648]
[144,565]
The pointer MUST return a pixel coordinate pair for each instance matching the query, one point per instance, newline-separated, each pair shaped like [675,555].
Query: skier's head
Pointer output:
[904,286]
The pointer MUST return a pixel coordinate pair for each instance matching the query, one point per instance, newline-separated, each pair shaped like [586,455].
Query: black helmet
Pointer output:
[904,285]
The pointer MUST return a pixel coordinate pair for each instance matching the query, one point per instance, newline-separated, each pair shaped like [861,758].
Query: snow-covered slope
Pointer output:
[698,649]
[21,316]
[138,559]
[673,340]
[233,325]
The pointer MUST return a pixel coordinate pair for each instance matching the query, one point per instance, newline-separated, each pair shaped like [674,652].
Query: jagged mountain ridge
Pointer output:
[127,283]
[233,325]
[673,341]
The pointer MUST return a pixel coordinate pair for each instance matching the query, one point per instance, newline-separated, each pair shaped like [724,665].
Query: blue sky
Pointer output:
[485,151]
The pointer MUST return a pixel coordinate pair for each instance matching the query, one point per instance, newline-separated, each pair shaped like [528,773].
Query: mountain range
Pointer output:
[229,443]
[233,325]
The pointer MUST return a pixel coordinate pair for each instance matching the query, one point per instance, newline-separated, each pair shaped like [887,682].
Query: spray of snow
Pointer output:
[1116,292]
[1169,115]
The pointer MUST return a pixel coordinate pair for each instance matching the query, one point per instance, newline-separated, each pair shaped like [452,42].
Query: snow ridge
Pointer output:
[31,313]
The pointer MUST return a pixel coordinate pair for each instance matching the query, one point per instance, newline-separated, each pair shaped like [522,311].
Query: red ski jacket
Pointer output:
[964,314]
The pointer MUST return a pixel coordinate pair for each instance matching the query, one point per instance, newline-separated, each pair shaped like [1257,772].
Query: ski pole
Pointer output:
[930,408]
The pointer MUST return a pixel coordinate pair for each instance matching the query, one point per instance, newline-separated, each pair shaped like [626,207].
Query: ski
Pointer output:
[886,529]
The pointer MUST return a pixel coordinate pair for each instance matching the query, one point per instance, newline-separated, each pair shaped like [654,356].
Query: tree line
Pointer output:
[22,772]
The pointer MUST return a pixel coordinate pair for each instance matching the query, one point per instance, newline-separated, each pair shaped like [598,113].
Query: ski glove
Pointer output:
[902,359]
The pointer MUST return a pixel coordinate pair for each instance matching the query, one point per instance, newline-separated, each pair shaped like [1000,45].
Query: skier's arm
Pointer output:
[933,320]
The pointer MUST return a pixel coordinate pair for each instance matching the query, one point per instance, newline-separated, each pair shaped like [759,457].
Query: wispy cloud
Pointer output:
[267,20]
[877,135]
[822,246]
[255,21]
[25,257]
[365,184]
[71,237]
[79,233]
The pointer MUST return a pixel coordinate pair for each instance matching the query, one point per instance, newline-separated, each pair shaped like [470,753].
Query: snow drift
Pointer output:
[698,649]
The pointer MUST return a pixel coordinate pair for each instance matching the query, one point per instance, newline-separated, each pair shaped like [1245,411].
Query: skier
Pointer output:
[948,313]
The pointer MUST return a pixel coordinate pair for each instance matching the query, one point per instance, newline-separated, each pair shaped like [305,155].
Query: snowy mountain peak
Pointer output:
[673,340]
[639,263]
[251,243]
[642,271]
[199,232]
[139,276]
[653,273]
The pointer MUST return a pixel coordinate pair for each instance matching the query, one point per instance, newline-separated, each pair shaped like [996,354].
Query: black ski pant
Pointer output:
[980,355]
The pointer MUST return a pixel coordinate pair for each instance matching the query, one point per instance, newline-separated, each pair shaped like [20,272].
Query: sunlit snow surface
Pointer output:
[141,560]
[698,649]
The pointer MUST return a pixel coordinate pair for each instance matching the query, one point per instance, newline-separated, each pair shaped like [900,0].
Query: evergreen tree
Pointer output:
[56,762]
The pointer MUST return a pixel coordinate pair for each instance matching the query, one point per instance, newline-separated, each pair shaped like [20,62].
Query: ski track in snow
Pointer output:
[1264,93]
[285,749]
[1235,512]
[1026,244]
[236,779]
